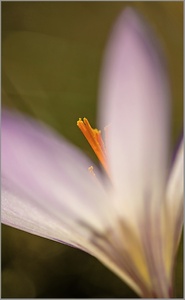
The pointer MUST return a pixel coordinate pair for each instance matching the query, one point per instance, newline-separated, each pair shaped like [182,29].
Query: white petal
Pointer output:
[135,103]
[175,187]
[175,196]
[51,172]
[47,191]
[19,211]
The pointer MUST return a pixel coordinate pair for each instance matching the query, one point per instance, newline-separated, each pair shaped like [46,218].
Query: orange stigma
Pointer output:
[95,140]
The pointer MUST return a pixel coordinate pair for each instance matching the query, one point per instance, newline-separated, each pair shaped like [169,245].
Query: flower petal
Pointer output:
[19,211]
[37,198]
[175,196]
[135,103]
[50,172]
[175,186]
[47,191]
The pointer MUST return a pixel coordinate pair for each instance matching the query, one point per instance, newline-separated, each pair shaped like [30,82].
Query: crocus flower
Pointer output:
[130,216]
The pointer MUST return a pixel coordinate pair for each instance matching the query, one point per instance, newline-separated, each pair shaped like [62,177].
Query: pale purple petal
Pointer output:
[51,173]
[47,191]
[135,104]
[19,211]
[175,196]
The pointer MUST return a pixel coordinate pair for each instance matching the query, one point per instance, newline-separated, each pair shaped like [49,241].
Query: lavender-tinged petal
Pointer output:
[50,171]
[19,211]
[175,197]
[48,191]
[135,103]
[175,187]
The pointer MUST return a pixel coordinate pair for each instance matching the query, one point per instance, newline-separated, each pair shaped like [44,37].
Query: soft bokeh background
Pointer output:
[51,59]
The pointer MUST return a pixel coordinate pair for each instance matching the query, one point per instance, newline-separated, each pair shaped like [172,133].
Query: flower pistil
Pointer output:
[95,140]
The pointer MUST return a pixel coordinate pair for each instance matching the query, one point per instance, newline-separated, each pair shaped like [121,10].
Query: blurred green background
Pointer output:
[51,60]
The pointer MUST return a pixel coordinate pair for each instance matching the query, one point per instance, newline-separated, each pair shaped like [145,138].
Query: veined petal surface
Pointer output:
[19,211]
[174,212]
[134,102]
[47,191]
[50,172]
[175,185]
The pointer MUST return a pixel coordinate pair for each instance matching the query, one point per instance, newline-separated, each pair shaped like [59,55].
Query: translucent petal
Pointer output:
[50,171]
[135,104]
[19,211]
[174,206]
[175,186]
[48,191]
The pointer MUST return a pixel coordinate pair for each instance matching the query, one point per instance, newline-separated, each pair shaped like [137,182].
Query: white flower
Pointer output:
[130,220]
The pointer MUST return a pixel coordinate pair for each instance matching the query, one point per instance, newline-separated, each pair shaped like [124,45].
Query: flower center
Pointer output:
[95,140]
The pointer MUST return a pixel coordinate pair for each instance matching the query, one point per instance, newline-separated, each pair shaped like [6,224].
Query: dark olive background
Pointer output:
[51,59]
